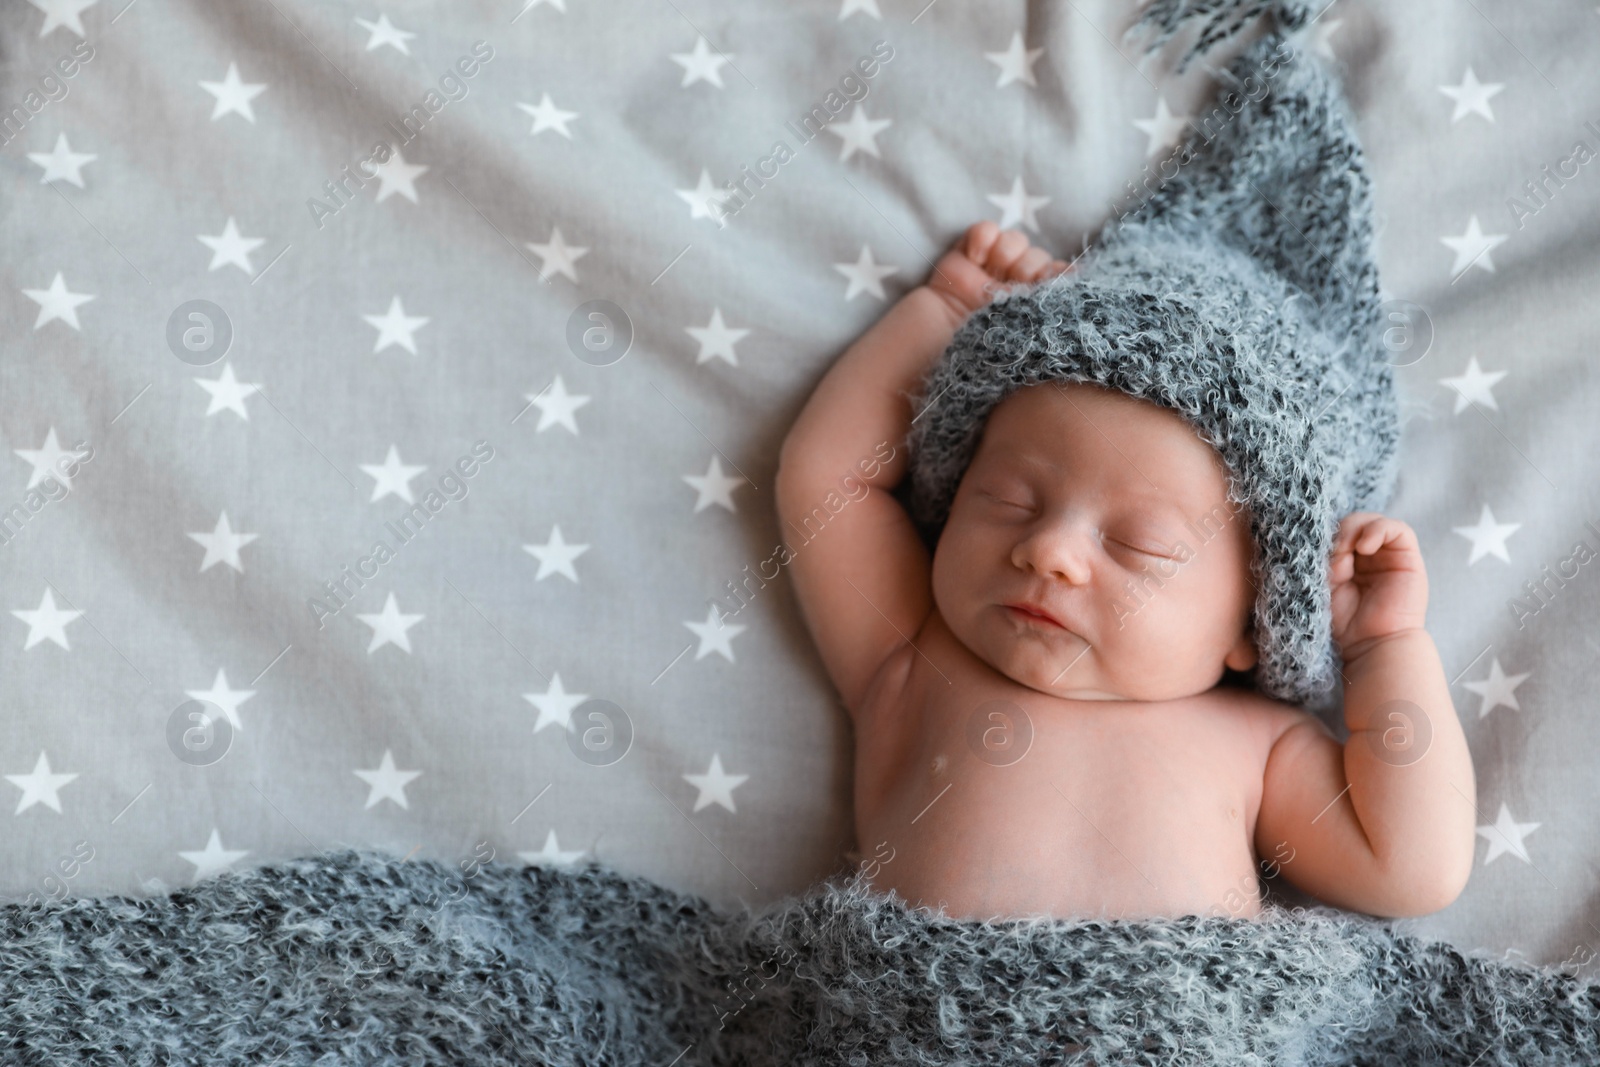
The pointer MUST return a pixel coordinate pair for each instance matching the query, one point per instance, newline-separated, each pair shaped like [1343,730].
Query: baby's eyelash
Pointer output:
[1146,551]
[1142,550]
[1002,500]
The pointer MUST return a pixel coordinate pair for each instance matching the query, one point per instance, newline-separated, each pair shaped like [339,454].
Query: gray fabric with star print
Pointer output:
[567,169]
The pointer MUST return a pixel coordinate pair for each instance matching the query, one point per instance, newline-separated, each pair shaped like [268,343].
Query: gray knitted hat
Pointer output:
[1243,294]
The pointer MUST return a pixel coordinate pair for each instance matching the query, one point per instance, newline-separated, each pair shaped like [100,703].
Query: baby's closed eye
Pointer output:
[1145,541]
[1009,500]
[1148,546]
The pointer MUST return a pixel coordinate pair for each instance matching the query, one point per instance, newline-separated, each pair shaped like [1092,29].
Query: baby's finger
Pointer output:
[1342,569]
[1007,248]
[1372,537]
[980,238]
[1351,526]
[1390,533]
[1029,267]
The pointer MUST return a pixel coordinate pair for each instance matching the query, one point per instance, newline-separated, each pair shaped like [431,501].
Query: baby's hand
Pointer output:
[1379,585]
[984,260]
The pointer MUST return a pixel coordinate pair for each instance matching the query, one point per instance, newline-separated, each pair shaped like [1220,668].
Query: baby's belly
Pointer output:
[1070,831]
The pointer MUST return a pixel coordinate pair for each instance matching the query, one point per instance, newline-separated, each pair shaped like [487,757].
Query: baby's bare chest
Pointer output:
[996,799]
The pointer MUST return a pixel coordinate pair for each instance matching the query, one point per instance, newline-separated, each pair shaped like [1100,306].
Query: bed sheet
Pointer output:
[392,396]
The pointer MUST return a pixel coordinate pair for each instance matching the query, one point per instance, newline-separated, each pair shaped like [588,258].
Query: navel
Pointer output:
[938,765]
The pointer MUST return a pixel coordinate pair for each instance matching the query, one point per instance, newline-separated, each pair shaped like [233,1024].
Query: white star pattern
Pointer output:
[713,487]
[46,622]
[557,257]
[546,116]
[62,163]
[57,302]
[717,339]
[1471,96]
[556,406]
[62,13]
[392,477]
[224,697]
[1488,537]
[1015,62]
[555,704]
[1163,129]
[109,529]
[50,460]
[859,133]
[1497,689]
[559,5]
[555,556]
[1506,836]
[213,857]
[40,786]
[716,786]
[1474,386]
[702,198]
[865,275]
[387,782]
[398,176]
[233,96]
[715,634]
[701,64]
[389,626]
[395,327]
[1017,206]
[385,32]
[1472,248]
[866,7]
[551,854]
[222,545]
[231,247]
[227,393]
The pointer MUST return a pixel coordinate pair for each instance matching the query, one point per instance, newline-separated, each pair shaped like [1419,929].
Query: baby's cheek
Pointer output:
[1143,602]
[1155,627]
[1201,630]
[959,568]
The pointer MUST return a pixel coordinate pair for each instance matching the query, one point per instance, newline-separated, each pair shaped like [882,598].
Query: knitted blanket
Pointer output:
[357,956]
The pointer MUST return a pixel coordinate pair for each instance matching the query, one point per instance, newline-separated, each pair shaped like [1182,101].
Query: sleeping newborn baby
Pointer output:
[1039,724]
[1094,616]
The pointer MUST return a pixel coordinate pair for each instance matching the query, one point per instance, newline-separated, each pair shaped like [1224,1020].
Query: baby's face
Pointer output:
[1111,515]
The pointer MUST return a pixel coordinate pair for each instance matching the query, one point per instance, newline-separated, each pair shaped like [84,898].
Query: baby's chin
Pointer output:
[1065,690]
[1053,676]
[1087,694]
[1025,667]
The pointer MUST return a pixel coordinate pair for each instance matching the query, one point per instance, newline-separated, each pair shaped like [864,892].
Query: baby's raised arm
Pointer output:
[860,572]
[1385,824]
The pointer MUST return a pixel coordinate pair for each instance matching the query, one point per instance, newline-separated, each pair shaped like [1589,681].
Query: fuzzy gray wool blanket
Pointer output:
[357,957]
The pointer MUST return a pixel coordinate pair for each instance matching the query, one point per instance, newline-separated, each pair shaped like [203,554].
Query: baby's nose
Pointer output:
[1058,550]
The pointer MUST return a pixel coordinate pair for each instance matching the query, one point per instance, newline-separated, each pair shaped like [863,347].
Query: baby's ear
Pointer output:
[1242,656]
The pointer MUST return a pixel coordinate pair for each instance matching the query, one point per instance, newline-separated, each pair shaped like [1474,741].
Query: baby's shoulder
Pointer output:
[1264,717]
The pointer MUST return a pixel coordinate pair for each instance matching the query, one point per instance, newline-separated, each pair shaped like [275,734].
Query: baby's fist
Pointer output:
[984,260]
[1379,585]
